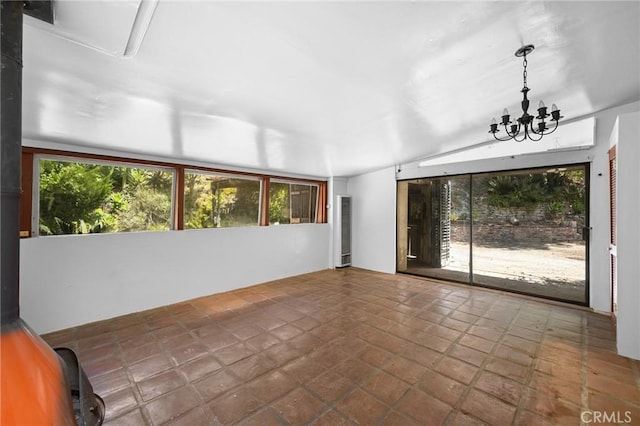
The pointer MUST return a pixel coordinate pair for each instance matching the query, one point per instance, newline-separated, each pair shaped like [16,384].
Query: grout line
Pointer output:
[584,370]
[528,389]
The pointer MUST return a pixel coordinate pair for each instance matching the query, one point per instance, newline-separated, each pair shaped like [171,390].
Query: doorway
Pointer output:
[524,231]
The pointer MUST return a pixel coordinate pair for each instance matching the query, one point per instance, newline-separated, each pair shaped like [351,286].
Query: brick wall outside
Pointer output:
[502,227]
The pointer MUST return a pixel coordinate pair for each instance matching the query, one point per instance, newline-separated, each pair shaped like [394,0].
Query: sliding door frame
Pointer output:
[586,229]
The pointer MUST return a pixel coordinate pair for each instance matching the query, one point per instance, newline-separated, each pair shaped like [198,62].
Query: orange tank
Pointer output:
[33,388]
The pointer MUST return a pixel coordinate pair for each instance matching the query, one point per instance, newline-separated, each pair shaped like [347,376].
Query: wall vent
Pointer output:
[343,231]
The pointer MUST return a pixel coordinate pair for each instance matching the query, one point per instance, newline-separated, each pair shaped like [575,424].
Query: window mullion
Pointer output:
[179,199]
[26,195]
[264,202]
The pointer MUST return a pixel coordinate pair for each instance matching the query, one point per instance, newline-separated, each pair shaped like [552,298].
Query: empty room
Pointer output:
[320,213]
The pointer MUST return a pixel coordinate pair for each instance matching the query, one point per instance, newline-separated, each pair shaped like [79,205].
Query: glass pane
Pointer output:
[212,201]
[82,198]
[292,203]
[527,232]
[434,227]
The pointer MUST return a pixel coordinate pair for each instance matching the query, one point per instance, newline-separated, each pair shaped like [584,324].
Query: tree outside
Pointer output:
[213,201]
[560,192]
[83,198]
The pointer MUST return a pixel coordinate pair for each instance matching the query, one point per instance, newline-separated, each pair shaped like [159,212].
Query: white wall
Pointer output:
[628,243]
[373,205]
[72,280]
[599,209]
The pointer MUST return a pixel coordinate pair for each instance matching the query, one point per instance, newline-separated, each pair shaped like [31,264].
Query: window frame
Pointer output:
[35,188]
[292,182]
[202,172]
[30,214]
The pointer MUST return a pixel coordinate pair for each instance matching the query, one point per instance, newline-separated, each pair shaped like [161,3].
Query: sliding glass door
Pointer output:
[435,228]
[524,231]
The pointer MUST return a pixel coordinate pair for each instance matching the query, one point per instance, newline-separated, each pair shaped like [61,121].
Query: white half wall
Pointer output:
[373,228]
[628,235]
[71,280]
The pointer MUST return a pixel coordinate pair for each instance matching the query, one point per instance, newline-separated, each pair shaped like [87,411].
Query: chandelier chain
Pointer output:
[524,72]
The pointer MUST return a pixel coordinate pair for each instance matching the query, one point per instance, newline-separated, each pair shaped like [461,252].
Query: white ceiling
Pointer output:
[316,88]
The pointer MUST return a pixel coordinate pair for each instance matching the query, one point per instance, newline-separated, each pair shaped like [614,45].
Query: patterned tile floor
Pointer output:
[356,347]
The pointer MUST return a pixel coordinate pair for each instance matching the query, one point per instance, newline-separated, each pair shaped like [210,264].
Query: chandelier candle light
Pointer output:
[531,130]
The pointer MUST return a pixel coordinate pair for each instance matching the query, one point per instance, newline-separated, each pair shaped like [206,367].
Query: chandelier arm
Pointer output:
[510,133]
[554,129]
[533,129]
[524,137]
[535,132]
[529,131]
[502,140]
[536,139]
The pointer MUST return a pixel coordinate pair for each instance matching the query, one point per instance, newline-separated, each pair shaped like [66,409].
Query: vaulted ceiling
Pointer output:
[314,88]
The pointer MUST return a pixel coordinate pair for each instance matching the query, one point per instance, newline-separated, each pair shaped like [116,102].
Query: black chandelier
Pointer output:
[533,131]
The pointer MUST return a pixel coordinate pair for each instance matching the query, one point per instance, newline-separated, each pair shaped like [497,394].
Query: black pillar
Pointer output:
[10,157]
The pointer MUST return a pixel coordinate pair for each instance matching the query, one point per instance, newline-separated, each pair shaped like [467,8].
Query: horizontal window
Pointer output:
[292,203]
[214,201]
[78,193]
[83,197]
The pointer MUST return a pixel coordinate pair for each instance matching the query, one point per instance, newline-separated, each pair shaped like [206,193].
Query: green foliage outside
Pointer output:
[81,198]
[279,209]
[216,201]
[560,192]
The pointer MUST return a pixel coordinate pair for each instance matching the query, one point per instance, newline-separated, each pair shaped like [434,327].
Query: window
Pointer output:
[292,203]
[77,193]
[215,201]
[77,197]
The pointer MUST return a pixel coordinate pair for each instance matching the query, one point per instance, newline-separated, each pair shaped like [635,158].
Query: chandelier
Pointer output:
[525,124]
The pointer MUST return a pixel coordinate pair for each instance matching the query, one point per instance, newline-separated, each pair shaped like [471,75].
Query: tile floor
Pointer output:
[356,347]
